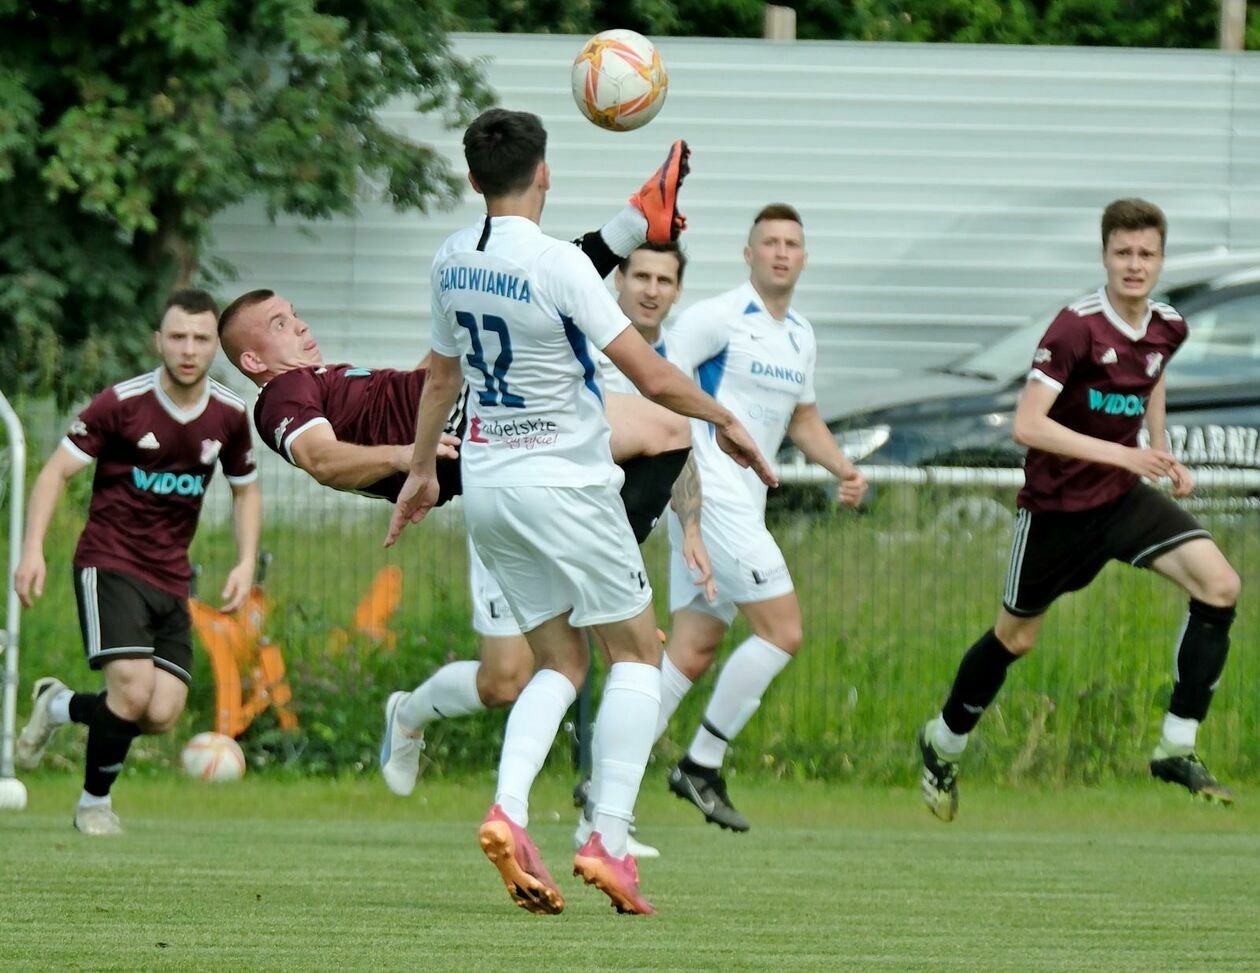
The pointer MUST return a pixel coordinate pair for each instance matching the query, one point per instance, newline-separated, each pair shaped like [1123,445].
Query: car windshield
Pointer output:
[1010,357]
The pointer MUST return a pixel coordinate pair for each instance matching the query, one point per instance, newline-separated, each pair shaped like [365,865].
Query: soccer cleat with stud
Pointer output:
[511,851]
[707,791]
[617,878]
[400,751]
[940,780]
[1188,771]
[657,199]
[97,819]
[33,740]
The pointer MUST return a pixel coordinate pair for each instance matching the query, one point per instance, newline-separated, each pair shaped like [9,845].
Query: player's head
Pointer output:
[648,283]
[263,336]
[185,337]
[776,250]
[1133,235]
[506,153]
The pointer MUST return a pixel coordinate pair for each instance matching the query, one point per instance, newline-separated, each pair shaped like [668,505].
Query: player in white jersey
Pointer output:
[516,311]
[755,354]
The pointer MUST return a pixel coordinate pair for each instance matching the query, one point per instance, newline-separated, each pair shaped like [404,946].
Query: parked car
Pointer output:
[960,414]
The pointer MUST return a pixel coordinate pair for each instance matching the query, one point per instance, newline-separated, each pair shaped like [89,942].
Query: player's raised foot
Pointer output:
[400,750]
[97,819]
[511,851]
[657,200]
[33,740]
[634,846]
[1188,771]
[617,878]
[940,779]
[705,788]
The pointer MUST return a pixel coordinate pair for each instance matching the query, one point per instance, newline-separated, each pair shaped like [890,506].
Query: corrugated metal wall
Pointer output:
[948,191]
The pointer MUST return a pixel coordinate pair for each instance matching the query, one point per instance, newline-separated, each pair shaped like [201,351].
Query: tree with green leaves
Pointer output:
[126,125]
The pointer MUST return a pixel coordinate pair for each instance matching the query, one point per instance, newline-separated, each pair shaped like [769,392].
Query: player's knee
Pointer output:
[788,637]
[500,686]
[1223,588]
[693,661]
[1018,640]
[130,700]
[674,433]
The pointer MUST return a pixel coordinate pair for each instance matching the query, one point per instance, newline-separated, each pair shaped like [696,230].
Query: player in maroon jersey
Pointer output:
[1098,372]
[155,440]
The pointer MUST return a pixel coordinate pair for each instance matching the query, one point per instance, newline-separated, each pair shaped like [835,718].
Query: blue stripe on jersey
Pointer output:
[794,321]
[577,341]
[752,308]
[710,373]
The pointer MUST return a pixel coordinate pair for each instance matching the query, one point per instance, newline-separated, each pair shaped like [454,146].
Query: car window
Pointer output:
[1228,333]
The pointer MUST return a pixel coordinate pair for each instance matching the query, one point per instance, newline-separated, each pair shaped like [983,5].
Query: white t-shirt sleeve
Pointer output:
[441,328]
[696,336]
[581,296]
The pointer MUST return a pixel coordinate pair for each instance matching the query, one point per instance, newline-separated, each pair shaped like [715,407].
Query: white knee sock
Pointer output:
[623,740]
[449,692]
[741,684]
[674,686]
[531,729]
[625,231]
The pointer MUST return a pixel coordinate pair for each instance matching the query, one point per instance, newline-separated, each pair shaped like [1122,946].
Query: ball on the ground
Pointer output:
[213,756]
[12,794]
[619,82]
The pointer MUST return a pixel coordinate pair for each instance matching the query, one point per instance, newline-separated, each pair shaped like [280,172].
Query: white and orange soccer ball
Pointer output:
[619,82]
[213,756]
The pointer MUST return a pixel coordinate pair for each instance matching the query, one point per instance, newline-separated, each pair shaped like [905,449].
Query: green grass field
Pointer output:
[338,875]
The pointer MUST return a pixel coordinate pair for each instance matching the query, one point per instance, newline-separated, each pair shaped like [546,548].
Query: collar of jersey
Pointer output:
[749,298]
[1119,323]
[182,416]
[521,222]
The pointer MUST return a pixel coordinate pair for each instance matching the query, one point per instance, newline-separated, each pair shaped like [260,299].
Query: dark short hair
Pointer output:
[671,247]
[503,149]
[1133,214]
[246,300]
[191,300]
[778,211]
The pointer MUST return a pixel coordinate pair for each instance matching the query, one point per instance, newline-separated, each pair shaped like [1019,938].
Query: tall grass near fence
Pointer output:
[891,599]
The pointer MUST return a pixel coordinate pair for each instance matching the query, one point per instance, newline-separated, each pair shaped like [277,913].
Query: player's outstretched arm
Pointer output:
[246,526]
[346,466]
[28,579]
[420,493]
[811,435]
[665,385]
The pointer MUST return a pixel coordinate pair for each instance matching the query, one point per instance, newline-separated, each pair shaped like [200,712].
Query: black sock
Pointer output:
[1200,659]
[649,481]
[83,707]
[689,766]
[109,738]
[980,676]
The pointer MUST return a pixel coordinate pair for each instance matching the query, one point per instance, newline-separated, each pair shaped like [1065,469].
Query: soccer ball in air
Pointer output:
[213,756]
[619,82]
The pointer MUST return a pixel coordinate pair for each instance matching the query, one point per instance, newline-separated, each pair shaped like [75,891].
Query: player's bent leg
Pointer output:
[657,199]
[114,724]
[33,740]
[1200,568]
[640,427]
[166,703]
[507,665]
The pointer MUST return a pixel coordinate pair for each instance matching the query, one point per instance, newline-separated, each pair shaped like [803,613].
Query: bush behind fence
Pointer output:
[891,598]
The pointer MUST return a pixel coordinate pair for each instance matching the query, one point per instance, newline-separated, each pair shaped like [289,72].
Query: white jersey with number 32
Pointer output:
[521,310]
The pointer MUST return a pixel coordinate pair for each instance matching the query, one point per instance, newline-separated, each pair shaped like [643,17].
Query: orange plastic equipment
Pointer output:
[375,609]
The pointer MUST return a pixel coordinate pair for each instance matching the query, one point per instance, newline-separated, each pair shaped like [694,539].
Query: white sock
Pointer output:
[623,735]
[741,684]
[449,692]
[59,707]
[674,686]
[1180,732]
[625,231]
[531,730]
[91,800]
[945,741]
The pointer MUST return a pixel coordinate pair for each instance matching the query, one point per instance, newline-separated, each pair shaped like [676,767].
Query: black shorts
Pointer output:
[122,617]
[1056,552]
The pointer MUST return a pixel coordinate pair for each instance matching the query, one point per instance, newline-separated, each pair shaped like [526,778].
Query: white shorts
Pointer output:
[559,550]
[747,565]
[491,614]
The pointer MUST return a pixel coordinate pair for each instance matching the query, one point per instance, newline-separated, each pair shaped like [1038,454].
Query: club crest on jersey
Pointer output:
[280,431]
[148,441]
[1109,357]
[1153,363]
[1041,356]
[78,428]
[210,450]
